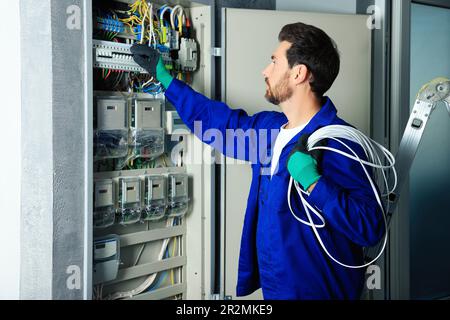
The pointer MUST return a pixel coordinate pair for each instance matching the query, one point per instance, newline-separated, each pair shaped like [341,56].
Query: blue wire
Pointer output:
[159,13]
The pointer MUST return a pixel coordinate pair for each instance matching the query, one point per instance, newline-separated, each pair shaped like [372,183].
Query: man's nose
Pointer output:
[264,73]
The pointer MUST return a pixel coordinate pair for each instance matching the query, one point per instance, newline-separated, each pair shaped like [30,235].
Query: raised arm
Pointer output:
[231,131]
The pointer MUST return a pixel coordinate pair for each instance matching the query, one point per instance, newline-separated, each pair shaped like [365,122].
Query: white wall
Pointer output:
[324,6]
[10,159]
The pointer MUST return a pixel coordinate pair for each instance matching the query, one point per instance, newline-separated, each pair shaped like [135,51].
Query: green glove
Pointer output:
[162,74]
[303,169]
[302,163]
[150,59]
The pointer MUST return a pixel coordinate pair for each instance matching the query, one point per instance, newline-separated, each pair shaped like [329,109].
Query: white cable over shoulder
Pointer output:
[371,149]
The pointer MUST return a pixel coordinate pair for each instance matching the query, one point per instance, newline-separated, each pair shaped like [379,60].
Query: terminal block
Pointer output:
[114,56]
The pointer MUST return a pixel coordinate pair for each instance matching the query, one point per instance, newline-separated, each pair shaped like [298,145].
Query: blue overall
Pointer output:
[278,253]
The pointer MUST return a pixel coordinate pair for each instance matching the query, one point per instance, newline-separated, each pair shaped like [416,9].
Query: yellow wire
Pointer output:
[140,7]
[173,255]
[159,35]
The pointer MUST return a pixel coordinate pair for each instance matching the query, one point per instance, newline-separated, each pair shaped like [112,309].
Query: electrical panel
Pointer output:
[141,193]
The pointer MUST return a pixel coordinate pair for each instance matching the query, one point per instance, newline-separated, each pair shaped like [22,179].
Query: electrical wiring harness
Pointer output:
[167,29]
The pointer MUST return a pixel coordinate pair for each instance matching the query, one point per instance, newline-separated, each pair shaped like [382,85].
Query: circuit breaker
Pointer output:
[113,55]
[188,54]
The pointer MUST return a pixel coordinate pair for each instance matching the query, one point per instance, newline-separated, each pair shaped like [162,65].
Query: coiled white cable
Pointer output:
[371,149]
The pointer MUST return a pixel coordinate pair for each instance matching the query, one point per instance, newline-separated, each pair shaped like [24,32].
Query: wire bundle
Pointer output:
[147,23]
[138,13]
[372,150]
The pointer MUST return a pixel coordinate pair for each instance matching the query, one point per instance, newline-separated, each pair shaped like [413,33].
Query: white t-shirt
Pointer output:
[282,140]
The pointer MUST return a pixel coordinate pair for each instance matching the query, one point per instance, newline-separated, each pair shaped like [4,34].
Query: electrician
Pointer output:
[277,253]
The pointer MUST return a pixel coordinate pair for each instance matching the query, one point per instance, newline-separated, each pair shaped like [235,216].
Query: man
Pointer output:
[278,253]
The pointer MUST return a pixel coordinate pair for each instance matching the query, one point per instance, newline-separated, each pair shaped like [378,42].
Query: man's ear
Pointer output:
[300,74]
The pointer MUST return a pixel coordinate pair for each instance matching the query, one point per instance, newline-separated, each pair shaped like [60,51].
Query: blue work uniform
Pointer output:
[279,254]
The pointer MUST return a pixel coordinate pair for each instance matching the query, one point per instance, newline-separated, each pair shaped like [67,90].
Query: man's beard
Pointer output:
[280,93]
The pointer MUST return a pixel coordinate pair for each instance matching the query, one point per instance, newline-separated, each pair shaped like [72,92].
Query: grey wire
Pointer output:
[142,248]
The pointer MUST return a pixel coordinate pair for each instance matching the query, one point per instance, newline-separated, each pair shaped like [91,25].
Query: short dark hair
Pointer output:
[312,47]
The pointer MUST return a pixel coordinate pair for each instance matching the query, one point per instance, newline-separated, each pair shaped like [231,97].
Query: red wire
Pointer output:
[108,74]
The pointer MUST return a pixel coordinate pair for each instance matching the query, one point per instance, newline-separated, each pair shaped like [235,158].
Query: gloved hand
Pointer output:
[302,164]
[150,59]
